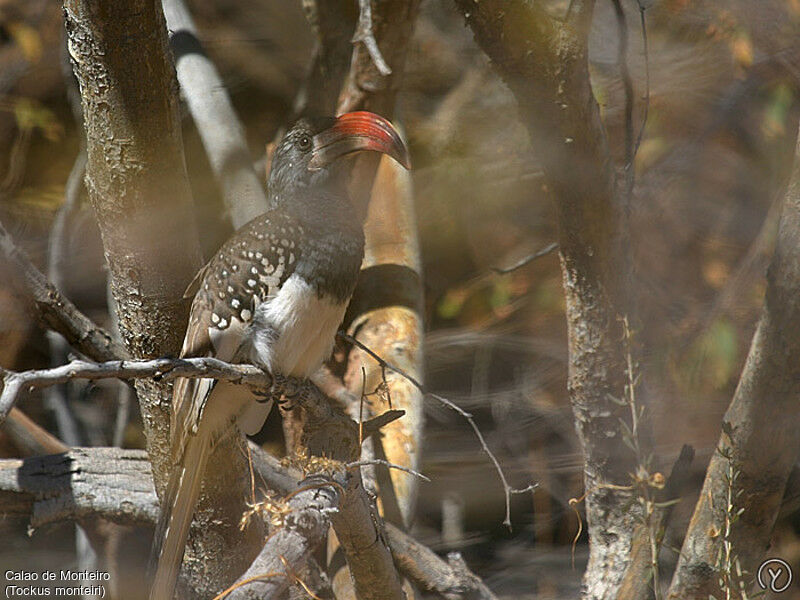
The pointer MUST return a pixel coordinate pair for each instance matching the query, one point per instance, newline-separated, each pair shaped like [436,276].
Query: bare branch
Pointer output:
[29,437]
[303,527]
[81,483]
[359,530]
[365,35]
[55,311]
[326,432]
[334,22]
[214,117]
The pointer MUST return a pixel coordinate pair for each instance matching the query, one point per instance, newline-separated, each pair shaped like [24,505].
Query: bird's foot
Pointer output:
[286,390]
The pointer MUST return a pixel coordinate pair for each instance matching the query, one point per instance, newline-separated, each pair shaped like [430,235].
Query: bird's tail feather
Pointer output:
[176,516]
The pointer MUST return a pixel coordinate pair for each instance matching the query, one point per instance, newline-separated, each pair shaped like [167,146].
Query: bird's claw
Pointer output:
[285,389]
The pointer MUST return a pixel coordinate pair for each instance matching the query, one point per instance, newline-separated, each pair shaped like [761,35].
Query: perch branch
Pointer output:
[161,369]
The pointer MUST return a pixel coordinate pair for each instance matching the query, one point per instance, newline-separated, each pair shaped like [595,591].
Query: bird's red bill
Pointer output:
[355,132]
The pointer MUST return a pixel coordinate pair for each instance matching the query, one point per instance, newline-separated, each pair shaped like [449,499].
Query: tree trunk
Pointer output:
[545,64]
[136,179]
[761,434]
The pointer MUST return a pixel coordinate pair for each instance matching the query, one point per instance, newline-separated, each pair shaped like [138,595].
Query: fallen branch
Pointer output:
[116,484]
[83,482]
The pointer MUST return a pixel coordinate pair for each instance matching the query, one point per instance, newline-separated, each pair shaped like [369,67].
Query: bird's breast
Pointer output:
[293,332]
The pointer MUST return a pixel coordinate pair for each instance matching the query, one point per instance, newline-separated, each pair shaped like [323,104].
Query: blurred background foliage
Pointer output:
[714,156]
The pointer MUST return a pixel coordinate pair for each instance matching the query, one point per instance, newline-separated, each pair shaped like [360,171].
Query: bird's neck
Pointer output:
[323,210]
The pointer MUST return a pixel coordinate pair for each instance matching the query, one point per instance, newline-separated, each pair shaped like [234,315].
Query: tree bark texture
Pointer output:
[137,184]
[761,432]
[545,64]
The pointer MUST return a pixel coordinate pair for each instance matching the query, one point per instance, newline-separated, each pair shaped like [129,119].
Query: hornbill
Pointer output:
[273,295]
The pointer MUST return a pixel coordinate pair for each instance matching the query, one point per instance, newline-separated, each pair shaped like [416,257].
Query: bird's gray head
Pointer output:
[307,158]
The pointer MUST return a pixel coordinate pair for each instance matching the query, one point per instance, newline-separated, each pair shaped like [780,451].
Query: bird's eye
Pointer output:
[304,142]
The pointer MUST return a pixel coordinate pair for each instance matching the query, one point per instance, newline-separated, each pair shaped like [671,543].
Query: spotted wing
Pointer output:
[247,270]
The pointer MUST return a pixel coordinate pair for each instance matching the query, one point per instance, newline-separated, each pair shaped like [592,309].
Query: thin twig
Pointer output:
[386,463]
[507,489]
[366,36]
[527,260]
